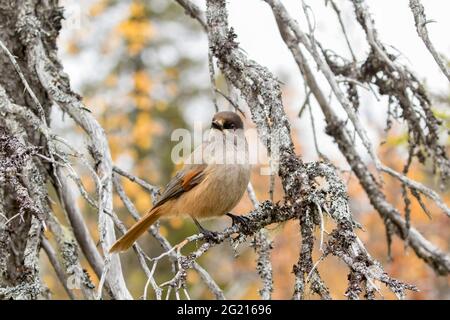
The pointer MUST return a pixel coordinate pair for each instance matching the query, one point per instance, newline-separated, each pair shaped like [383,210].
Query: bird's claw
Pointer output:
[240,220]
[209,235]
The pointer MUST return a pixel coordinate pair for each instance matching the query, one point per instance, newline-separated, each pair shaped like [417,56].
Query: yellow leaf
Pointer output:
[136,33]
[97,8]
[143,201]
[137,9]
[142,101]
[142,131]
[142,81]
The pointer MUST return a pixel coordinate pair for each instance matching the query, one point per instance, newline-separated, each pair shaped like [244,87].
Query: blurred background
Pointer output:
[142,69]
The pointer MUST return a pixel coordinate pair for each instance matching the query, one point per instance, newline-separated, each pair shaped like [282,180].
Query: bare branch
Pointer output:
[436,258]
[152,189]
[59,91]
[262,93]
[421,25]
[79,227]
[194,11]
[74,274]
[263,246]
[51,254]
[418,187]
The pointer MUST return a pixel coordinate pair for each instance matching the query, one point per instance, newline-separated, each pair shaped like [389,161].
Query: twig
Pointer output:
[341,23]
[235,106]
[418,187]
[194,11]
[25,83]
[51,254]
[151,189]
[421,25]
[80,229]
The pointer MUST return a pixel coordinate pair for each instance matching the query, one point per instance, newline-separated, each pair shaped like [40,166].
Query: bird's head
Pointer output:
[227,121]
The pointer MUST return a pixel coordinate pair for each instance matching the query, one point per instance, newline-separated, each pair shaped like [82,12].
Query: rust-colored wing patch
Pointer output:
[183,181]
[192,178]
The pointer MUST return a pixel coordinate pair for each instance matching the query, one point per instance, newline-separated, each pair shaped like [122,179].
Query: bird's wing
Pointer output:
[183,181]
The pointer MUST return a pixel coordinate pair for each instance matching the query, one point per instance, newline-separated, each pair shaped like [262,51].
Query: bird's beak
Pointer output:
[217,124]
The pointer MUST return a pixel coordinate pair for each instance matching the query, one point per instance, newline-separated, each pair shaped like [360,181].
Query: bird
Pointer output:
[211,182]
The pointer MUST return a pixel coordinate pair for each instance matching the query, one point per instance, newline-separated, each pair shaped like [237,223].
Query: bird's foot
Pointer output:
[208,235]
[240,220]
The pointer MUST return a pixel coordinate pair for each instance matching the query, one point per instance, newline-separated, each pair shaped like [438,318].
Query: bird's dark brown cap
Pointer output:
[227,120]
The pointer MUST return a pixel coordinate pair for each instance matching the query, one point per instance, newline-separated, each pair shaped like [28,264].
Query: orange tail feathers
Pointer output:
[127,240]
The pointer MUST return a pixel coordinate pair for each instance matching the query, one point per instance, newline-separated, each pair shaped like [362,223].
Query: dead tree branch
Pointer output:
[31,156]
[421,26]
[436,258]
[263,95]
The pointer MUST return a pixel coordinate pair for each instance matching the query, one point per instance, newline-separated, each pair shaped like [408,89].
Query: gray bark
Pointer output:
[23,177]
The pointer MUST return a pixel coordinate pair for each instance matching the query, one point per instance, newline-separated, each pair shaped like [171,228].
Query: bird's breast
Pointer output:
[218,194]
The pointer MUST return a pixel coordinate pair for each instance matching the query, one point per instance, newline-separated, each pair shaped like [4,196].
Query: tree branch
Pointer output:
[421,26]
[423,248]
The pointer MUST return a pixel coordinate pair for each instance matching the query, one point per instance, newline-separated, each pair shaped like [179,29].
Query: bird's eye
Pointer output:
[229,126]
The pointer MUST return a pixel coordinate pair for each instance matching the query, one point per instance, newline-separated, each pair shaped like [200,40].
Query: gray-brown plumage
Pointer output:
[211,183]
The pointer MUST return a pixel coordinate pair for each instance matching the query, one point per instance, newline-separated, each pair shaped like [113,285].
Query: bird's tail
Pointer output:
[127,240]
